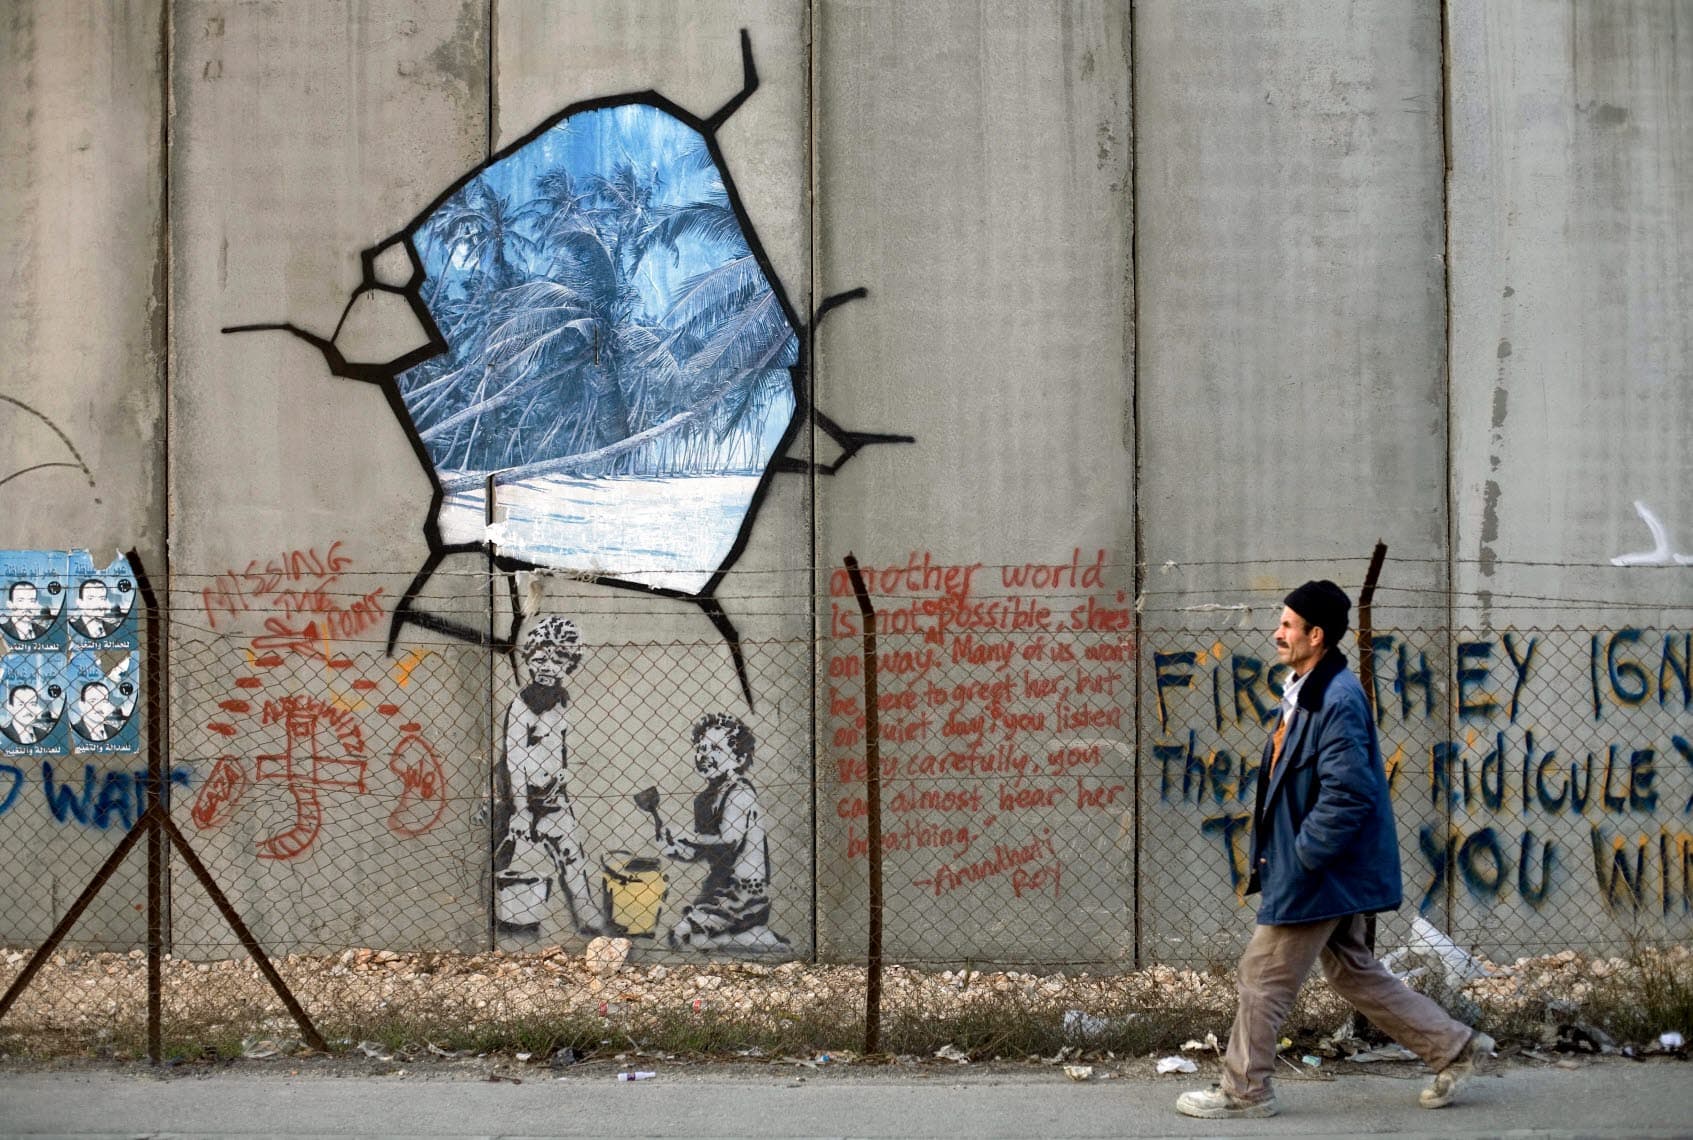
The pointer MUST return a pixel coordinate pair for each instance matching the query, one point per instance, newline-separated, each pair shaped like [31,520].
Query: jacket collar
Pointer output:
[1311,692]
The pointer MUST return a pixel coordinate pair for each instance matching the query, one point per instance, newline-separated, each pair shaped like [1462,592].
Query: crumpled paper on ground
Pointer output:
[262,1048]
[1388,1052]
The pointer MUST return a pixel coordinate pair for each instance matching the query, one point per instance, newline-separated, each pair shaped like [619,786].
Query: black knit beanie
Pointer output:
[1323,604]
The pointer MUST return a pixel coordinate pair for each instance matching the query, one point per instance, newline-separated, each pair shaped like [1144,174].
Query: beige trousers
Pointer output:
[1271,972]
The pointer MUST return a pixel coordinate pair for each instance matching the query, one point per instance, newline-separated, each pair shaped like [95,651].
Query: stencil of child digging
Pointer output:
[733,907]
[537,836]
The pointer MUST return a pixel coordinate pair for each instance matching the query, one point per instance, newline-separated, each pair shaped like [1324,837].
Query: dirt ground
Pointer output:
[436,1007]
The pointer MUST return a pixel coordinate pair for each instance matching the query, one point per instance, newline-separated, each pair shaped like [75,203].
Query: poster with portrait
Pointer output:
[100,604]
[32,715]
[102,689]
[33,608]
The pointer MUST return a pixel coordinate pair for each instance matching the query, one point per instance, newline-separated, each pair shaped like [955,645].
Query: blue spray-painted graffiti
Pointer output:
[1507,801]
[90,798]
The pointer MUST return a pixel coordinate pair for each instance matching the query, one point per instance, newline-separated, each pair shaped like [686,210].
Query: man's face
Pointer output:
[21,600]
[25,706]
[91,598]
[1298,643]
[96,704]
[713,757]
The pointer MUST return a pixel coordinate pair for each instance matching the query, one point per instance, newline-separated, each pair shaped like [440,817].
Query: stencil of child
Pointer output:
[538,838]
[733,906]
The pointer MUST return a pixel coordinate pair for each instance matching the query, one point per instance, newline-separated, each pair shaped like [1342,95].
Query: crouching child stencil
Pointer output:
[731,913]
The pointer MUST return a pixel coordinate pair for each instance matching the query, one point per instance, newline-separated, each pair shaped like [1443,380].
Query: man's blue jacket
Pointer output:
[1323,838]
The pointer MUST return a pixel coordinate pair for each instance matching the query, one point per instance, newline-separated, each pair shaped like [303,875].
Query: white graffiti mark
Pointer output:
[1660,554]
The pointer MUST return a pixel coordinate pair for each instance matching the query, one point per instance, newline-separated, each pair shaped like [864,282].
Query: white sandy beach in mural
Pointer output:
[668,533]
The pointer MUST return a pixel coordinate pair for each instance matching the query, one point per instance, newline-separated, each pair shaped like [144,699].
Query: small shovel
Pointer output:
[647,800]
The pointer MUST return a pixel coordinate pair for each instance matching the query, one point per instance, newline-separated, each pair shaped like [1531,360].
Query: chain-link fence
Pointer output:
[609,817]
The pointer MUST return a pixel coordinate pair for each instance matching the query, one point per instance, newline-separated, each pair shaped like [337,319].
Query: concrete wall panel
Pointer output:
[654,665]
[81,405]
[302,135]
[973,175]
[1569,342]
[83,232]
[1570,348]
[1291,384]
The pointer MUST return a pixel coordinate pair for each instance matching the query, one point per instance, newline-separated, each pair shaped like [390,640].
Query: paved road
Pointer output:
[290,1098]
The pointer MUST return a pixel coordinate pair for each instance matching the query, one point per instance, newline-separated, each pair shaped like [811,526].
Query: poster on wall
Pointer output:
[32,718]
[70,672]
[101,690]
[34,581]
[100,607]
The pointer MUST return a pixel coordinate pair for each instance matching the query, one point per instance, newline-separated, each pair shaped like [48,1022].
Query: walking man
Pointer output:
[1324,855]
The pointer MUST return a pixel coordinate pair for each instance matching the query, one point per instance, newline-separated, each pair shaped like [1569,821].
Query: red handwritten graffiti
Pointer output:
[423,795]
[297,711]
[312,639]
[232,592]
[297,840]
[220,794]
[302,615]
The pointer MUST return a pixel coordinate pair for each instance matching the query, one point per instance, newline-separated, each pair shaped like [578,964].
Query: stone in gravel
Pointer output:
[607,955]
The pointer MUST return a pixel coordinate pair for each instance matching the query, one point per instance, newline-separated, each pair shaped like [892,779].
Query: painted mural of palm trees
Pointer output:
[605,314]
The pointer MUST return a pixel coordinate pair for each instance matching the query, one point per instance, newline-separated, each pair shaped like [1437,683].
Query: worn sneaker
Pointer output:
[1215,1104]
[1465,1065]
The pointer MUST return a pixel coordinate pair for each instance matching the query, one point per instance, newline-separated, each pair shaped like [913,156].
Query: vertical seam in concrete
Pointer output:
[814,279]
[493,110]
[1446,358]
[161,668]
[163,259]
[1134,467]
[495,736]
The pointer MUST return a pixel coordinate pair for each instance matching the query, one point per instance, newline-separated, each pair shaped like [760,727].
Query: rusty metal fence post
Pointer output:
[1367,669]
[158,782]
[873,820]
[1366,626]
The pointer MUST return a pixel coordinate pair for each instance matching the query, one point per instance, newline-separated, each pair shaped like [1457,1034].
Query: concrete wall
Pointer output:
[973,167]
[82,405]
[1292,391]
[1182,304]
[1569,351]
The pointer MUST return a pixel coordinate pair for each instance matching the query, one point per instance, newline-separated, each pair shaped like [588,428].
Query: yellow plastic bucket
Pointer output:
[634,892]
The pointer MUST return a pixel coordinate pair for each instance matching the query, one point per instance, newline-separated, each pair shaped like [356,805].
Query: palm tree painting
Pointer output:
[617,358]
[607,347]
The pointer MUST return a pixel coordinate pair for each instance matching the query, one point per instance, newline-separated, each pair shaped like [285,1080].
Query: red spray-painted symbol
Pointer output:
[219,795]
[300,717]
[423,795]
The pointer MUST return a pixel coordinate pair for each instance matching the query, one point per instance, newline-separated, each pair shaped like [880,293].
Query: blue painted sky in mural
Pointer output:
[610,332]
